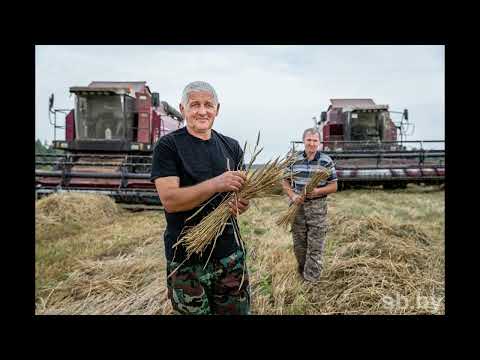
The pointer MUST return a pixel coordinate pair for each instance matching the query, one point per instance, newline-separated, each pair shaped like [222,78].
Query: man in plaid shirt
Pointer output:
[310,226]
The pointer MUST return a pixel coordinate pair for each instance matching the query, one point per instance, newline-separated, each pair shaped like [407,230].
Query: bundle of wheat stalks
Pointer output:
[259,182]
[321,175]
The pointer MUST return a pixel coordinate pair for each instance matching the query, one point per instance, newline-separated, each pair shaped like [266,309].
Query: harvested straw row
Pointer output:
[289,216]
[65,214]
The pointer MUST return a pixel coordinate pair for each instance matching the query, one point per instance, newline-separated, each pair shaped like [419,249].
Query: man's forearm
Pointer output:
[175,198]
[328,189]
[188,198]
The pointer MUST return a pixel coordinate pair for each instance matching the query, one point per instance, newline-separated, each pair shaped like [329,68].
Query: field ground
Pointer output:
[384,255]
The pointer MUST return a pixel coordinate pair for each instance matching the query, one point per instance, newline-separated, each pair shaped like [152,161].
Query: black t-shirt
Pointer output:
[194,160]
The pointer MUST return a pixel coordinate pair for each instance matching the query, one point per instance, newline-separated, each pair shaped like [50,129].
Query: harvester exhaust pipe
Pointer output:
[50,103]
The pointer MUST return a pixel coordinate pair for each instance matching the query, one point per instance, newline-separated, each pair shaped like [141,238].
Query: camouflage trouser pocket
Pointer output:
[316,213]
[221,288]
[316,207]
[186,291]
[232,288]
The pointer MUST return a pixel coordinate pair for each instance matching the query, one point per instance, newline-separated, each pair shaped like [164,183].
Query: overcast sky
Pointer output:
[272,89]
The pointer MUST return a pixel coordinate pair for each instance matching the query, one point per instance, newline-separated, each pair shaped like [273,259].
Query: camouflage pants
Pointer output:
[309,231]
[215,290]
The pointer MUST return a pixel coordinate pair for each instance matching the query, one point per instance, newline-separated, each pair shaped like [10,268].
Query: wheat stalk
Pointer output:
[287,219]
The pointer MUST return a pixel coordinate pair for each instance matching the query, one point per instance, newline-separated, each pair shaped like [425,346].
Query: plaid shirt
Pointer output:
[302,168]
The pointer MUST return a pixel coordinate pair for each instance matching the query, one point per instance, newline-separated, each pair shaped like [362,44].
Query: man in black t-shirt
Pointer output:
[192,166]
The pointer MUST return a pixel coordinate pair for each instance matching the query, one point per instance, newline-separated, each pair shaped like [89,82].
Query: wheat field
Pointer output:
[384,254]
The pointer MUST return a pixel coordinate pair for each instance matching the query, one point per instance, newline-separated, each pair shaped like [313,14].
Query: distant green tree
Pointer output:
[42,149]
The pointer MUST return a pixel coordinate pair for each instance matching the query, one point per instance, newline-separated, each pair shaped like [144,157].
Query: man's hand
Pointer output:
[297,199]
[323,191]
[229,181]
[240,207]
[315,193]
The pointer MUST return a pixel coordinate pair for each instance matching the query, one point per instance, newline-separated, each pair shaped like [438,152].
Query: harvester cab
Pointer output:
[109,138]
[112,117]
[360,123]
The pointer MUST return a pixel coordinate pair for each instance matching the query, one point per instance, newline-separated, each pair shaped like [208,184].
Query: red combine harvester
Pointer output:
[109,139]
[369,148]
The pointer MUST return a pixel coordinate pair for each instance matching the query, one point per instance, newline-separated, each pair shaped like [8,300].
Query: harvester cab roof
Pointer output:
[355,105]
[372,108]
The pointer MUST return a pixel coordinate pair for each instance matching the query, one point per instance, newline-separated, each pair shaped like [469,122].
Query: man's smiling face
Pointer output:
[200,111]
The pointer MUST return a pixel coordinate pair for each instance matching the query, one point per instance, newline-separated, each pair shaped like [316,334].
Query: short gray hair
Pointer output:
[312,131]
[198,86]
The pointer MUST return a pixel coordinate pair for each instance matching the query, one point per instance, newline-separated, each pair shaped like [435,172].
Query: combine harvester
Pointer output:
[369,148]
[109,139]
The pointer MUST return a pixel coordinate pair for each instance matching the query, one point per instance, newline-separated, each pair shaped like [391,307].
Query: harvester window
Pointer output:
[82,104]
[365,127]
[100,117]
[131,119]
